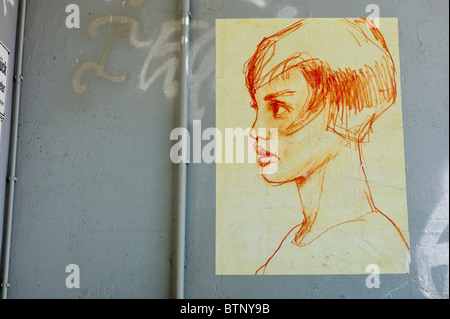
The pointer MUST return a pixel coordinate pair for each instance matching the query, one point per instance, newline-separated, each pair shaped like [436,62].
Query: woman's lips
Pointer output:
[265,157]
[265,161]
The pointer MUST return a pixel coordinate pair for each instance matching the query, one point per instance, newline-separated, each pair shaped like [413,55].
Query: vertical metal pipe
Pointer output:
[6,249]
[180,244]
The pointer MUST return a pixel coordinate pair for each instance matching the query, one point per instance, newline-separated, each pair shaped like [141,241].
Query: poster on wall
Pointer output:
[4,54]
[318,186]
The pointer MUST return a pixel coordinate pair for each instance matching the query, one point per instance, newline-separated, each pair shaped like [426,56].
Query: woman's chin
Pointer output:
[272,174]
[276,175]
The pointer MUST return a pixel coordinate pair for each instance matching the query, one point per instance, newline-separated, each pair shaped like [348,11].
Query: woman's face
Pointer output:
[304,144]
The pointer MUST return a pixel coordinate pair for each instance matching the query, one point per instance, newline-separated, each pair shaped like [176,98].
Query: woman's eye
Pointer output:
[277,109]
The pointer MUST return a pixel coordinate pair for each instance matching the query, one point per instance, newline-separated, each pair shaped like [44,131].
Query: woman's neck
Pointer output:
[336,193]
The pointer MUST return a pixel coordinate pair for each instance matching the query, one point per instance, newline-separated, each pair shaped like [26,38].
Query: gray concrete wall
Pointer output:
[95,179]
[94,176]
[423,37]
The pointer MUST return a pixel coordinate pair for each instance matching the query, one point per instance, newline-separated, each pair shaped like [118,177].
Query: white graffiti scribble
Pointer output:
[5,8]
[160,48]
[99,67]
[129,28]
[433,248]
[202,65]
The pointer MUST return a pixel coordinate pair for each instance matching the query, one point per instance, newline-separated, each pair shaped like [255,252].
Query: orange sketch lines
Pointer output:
[279,246]
[323,97]
[300,244]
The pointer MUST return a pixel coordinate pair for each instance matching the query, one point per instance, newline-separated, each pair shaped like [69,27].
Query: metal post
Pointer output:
[179,255]
[6,249]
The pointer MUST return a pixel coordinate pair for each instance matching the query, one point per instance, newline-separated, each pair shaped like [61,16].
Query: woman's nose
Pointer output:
[258,130]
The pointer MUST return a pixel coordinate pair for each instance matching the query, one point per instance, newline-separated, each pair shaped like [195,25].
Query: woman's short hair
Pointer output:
[356,81]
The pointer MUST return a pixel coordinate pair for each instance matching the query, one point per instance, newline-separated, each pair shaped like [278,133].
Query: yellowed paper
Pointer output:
[335,202]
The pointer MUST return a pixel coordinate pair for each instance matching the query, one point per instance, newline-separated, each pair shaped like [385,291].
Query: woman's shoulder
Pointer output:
[346,249]
[385,243]
[377,227]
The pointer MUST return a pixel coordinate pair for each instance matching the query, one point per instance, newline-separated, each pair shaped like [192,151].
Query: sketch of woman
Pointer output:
[324,95]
